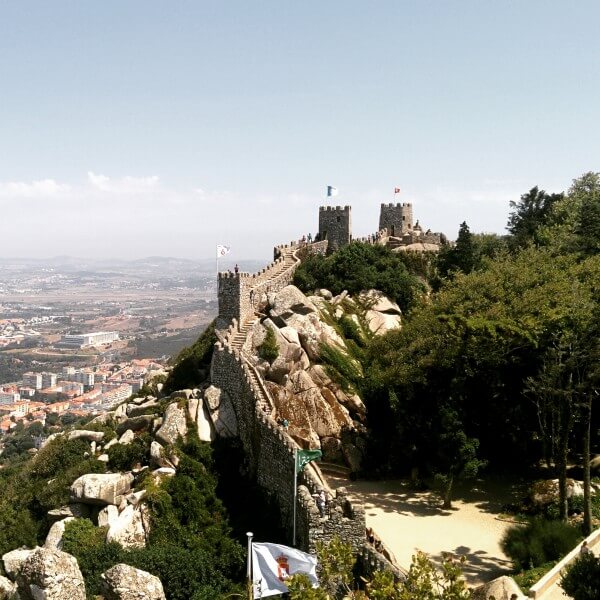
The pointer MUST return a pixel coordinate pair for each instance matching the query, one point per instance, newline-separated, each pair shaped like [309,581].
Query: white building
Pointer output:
[88,339]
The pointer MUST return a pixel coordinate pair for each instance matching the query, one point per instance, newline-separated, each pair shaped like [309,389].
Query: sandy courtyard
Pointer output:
[407,520]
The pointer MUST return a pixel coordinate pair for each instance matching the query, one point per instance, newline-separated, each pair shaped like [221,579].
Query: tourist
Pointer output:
[321,500]
[310,238]
[285,423]
[236,269]
[584,548]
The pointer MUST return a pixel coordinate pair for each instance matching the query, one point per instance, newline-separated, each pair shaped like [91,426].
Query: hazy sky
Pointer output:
[135,128]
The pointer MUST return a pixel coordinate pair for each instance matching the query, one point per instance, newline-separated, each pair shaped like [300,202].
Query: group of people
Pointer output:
[307,239]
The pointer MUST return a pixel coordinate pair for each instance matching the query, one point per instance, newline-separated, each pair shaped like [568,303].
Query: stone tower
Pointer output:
[335,226]
[396,218]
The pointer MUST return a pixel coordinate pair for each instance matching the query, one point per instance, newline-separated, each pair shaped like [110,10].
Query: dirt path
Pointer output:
[406,520]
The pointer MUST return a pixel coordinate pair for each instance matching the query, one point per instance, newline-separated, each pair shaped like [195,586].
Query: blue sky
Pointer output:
[140,128]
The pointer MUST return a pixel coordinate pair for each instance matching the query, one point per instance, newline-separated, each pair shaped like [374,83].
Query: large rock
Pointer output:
[221,412]
[131,527]
[382,314]
[123,582]
[313,332]
[290,300]
[378,301]
[501,588]
[546,491]
[135,424]
[8,589]
[127,437]
[77,510]
[101,488]
[51,575]
[108,516]
[13,561]
[141,409]
[55,535]
[174,425]
[157,454]
[82,434]
[348,399]
[206,430]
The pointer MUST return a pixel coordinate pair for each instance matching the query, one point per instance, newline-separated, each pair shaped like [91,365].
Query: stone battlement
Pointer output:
[329,208]
[397,205]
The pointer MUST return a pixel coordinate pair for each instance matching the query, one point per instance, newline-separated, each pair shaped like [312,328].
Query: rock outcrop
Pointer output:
[174,425]
[101,488]
[8,589]
[13,561]
[55,535]
[501,588]
[123,582]
[221,412]
[130,528]
[49,574]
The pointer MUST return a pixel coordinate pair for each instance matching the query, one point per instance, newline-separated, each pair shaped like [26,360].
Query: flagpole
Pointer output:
[295,493]
[249,566]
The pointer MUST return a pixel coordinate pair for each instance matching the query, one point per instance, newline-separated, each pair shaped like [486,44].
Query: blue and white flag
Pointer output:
[272,564]
[331,191]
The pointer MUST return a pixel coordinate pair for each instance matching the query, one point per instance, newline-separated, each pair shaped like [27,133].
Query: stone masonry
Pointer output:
[335,226]
[396,218]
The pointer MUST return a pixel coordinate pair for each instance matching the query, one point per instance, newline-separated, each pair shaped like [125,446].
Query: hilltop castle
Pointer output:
[396,229]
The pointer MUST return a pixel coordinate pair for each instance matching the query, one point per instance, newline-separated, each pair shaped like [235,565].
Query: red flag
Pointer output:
[396,190]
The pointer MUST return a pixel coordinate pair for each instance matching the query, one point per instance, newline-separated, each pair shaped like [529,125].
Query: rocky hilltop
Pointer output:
[309,389]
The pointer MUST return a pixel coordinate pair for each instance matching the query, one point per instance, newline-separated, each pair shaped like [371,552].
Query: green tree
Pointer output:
[529,214]
[269,350]
[581,581]
[586,192]
[457,454]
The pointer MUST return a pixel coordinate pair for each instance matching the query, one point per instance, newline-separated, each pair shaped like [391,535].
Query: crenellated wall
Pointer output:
[270,454]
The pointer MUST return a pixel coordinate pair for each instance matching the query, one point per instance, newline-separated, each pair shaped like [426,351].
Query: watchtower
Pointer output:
[335,226]
[396,218]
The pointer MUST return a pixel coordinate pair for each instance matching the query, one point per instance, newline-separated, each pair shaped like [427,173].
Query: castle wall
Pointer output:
[270,451]
[396,218]
[335,226]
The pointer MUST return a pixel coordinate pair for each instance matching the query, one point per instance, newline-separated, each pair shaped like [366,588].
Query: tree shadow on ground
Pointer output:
[399,497]
[479,564]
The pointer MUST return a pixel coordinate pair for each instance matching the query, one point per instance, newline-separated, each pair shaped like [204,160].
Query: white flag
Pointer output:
[331,191]
[272,564]
[222,250]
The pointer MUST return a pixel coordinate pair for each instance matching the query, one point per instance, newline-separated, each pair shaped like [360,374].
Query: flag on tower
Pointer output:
[272,564]
[331,191]
[396,190]
[222,250]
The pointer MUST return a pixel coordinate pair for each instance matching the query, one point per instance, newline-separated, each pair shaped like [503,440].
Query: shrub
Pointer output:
[539,542]
[122,457]
[582,579]
[86,543]
[269,350]
[343,369]
[191,361]
[359,267]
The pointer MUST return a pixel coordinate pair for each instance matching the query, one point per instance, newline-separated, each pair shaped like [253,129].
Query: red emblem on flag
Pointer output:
[396,190]
[283,568]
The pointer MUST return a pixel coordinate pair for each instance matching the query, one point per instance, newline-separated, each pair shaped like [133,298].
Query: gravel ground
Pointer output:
[406,520]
